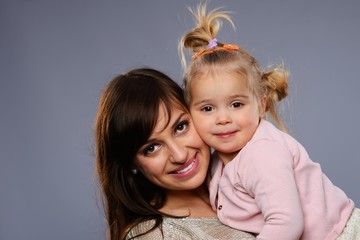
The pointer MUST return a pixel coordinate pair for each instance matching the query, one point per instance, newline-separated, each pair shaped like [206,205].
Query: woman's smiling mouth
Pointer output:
[187,169]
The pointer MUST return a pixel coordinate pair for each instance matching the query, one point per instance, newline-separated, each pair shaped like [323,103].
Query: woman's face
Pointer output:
[174,157]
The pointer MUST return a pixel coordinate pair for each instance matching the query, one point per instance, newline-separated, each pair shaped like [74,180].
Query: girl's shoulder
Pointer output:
[267,131]
[269,135]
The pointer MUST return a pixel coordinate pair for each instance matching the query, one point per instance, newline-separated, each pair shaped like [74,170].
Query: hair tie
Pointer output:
[227,47]
[212,43]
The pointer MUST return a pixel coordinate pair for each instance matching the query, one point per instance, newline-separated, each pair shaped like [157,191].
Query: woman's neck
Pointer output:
[193,203]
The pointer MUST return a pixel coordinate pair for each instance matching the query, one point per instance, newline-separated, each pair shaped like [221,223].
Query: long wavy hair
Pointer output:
[126,117]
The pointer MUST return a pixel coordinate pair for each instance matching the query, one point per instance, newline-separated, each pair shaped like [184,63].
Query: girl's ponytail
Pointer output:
[206,29]
[276,88]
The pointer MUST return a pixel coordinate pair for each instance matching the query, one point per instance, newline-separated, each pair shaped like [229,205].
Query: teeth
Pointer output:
[187,168]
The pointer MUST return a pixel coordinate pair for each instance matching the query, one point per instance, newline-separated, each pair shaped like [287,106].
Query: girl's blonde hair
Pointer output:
[272,83]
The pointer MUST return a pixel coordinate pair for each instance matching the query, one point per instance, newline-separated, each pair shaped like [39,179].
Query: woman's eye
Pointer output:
[151,149]
[181,127]
[236,104]
[206,109]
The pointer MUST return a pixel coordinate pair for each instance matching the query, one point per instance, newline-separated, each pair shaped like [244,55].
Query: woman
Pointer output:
[152,164]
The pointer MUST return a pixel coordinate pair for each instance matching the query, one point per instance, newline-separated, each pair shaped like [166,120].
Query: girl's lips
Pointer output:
[225,134]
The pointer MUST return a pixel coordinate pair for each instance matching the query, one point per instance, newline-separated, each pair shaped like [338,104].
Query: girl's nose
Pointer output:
[223,117]
[177,152]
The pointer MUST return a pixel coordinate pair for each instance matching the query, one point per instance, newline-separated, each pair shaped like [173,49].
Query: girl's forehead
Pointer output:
[225,86]
[221,78]
[216,71]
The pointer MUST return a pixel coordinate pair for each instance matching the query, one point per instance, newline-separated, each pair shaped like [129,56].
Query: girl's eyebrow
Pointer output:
[201,102]
[239,96]
[229,97]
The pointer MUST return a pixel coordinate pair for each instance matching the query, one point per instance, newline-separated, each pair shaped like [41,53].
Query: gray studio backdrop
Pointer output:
[57,56]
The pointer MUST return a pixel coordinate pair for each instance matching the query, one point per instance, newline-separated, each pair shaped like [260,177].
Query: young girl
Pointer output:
[263,180]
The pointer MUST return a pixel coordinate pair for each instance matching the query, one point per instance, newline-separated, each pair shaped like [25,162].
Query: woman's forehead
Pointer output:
[167,116]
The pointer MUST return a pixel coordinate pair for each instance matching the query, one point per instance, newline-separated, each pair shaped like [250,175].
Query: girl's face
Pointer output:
[225,113]
[174,157]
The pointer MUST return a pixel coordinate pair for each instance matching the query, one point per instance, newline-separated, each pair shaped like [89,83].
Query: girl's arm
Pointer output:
[269,178]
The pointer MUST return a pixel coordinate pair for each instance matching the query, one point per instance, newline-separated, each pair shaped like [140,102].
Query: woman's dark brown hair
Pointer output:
[127,115]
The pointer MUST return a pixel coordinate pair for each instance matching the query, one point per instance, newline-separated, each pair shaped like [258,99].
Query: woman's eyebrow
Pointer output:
[178,119]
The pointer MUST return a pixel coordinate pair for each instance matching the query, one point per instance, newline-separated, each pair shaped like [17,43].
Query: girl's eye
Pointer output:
[207,109]
[236,104]
[151,149]
[181,127]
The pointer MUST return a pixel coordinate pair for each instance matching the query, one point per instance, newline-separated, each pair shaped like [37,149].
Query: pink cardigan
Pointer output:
[272,188]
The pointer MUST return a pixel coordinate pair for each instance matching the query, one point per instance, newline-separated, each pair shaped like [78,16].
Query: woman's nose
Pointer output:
[177,152]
